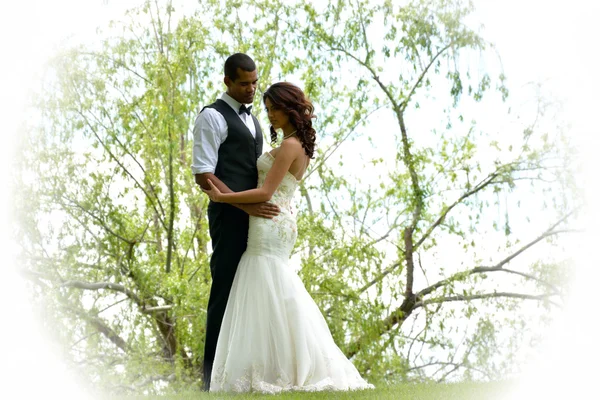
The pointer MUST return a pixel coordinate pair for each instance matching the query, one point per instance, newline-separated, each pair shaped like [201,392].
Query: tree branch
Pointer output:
[448,364]
[117,62]
[499,265]
[99,220]
[413,302]
[338,143]
[387,271]
[523,296]
[484,183]
[101,327]
[423,73]
[120,164]
[104,285]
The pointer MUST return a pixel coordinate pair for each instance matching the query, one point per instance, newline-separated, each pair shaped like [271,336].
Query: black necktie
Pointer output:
[244,109]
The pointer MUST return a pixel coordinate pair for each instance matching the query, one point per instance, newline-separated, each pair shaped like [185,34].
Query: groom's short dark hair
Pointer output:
[238,60]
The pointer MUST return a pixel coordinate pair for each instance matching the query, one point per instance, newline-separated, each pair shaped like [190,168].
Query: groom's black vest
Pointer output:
[236,165]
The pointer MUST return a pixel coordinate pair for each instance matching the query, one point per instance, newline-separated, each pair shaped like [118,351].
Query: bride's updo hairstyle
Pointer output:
[291,99]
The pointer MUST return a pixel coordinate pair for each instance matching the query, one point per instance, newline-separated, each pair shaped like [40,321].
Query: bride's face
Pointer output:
[278,118]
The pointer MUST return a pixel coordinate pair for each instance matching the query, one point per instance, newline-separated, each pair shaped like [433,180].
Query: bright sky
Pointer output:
[551,40]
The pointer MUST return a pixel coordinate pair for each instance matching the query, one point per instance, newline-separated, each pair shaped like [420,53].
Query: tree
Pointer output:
[399,66]
[114,233]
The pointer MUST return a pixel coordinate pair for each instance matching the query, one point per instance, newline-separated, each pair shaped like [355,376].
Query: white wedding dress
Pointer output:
[273,337]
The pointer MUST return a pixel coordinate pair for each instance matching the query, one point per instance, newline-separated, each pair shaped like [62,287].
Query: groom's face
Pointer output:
[243,87]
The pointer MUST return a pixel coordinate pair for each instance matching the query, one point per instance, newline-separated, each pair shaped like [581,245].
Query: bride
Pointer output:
[273,336]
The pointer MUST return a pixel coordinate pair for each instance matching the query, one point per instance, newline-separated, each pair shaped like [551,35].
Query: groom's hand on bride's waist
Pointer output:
[264,210]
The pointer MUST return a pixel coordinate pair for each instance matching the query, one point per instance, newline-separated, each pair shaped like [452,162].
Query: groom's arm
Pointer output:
[210,130]
[265,210]
[201,180]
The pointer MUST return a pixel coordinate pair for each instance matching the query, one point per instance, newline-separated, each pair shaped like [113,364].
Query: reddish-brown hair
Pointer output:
[291,99]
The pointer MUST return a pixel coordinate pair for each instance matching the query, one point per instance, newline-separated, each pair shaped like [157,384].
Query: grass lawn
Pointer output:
[424,391]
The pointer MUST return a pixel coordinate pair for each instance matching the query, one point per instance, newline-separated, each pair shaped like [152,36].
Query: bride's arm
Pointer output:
[288,152]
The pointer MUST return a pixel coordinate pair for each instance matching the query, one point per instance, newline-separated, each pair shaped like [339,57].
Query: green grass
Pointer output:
[423,391]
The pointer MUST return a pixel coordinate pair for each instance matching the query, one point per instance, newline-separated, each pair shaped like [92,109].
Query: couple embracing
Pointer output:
[264,333]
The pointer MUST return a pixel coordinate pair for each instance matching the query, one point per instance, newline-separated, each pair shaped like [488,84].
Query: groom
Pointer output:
[227,142]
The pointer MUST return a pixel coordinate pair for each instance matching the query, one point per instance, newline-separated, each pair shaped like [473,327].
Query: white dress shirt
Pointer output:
[210,131]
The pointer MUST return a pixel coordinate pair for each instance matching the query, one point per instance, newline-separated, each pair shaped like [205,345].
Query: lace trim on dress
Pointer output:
[253,380]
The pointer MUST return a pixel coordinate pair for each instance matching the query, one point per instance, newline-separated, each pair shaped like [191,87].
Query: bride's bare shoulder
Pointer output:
[291,144]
